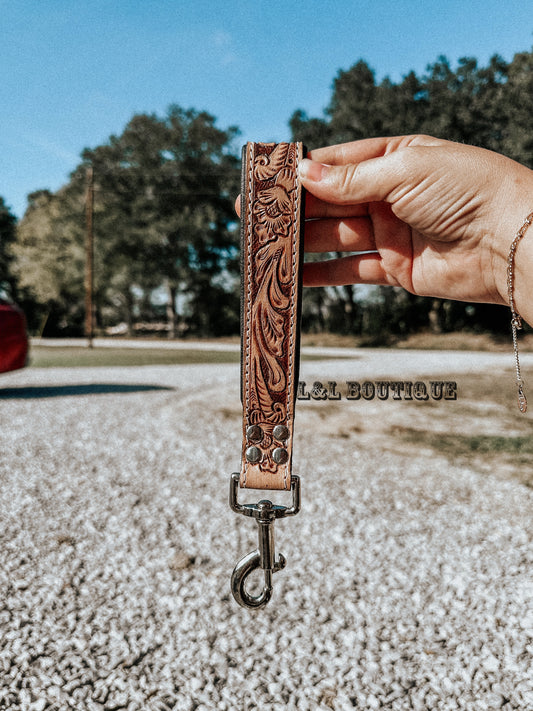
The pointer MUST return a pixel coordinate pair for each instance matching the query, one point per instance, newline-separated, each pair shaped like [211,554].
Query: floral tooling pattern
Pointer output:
[272,274]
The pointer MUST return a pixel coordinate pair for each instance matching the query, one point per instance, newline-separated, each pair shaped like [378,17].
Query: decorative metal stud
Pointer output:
[281,433]
[254,433]
[253,455]
[280,455]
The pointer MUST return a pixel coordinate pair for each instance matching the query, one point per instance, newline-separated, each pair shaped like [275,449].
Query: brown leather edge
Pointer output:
[271,258]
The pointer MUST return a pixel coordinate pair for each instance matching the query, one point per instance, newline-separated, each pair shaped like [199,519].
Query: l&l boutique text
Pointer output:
[380,389]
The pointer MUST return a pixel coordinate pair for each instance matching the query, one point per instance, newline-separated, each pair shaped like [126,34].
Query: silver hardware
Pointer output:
[280,455]
[254,433]
[253,455]
[265,513]
[281,433]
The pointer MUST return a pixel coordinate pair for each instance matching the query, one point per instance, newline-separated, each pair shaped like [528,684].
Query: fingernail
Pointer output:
[311,170]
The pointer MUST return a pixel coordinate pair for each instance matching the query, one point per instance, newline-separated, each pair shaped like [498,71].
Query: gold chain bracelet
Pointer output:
[516,319]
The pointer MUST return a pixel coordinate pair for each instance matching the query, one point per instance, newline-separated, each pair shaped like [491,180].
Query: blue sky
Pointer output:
[74,72]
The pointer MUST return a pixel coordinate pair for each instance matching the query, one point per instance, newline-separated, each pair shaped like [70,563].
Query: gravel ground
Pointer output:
[408,582]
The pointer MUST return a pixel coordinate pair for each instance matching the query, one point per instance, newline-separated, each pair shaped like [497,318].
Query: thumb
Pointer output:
[371,180]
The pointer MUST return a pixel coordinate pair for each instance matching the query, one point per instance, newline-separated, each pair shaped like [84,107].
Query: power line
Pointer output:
[89,257]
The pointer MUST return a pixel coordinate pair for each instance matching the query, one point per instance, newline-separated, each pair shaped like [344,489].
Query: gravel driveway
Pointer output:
[408,583]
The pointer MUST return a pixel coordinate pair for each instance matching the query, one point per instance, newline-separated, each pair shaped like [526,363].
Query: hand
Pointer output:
[437,217]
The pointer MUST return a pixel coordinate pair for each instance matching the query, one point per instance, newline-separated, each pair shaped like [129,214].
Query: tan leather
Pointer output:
[271,251]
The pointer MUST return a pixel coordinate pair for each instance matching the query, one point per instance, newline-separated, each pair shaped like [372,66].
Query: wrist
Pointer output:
[513,240]
[516,319]
[519,272]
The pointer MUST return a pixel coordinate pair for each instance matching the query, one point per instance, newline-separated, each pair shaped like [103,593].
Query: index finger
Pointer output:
[359,151]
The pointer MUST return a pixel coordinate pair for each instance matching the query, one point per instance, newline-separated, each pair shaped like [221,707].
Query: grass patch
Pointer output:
[489,451]
[456,341]
[74,357]
[83,357]
[460,445]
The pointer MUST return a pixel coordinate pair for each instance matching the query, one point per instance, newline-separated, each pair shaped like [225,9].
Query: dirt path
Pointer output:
[408,582]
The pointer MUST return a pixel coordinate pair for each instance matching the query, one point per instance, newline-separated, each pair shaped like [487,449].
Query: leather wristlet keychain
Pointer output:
[271,258]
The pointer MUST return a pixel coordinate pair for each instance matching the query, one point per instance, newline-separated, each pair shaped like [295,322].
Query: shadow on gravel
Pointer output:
[44,391]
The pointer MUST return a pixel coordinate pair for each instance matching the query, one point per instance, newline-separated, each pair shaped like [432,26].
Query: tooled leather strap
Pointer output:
[271,256]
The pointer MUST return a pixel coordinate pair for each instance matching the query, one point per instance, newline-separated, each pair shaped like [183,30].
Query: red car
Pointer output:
[13,338]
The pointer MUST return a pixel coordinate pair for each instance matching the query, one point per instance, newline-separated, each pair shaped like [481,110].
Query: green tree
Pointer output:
[517,109]
[49,258]
[8,223]
[351,109]
[487,106]
[465,105]
[312,132]
[164,191]
[163,218]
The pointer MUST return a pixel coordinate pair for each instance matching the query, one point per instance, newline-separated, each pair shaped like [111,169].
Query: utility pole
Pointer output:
[89,258]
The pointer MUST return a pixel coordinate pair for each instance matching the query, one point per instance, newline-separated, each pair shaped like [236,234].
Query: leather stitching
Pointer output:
[296,214]
[249,236]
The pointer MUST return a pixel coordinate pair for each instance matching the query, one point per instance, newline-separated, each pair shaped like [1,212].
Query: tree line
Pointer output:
[166,235]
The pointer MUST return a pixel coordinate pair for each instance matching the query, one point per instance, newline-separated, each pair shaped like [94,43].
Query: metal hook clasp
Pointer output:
[265,513]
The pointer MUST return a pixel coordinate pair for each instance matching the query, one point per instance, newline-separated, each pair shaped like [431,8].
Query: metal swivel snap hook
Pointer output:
[262,558]
[265,513]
